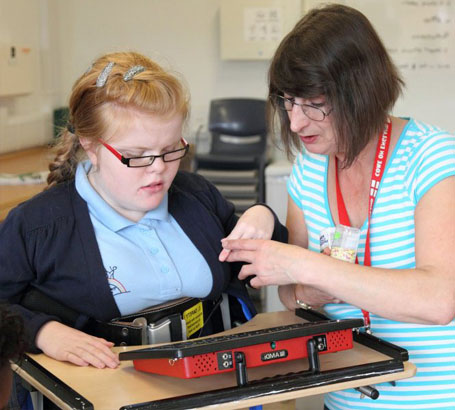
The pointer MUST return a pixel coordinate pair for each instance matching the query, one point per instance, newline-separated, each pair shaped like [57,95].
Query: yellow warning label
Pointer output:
[194,318]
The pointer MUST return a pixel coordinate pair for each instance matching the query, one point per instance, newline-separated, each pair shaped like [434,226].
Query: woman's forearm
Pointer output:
[421,295]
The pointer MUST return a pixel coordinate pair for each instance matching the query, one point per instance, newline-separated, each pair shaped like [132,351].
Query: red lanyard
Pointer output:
[378,170]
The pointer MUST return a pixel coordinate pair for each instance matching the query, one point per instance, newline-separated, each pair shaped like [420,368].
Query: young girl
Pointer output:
[120,229]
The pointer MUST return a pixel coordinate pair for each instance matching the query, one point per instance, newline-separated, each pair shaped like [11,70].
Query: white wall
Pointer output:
[180,34]
[66,35]
[27,120]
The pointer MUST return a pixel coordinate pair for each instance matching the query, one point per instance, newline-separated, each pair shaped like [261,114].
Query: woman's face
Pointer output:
[318,137]
[134,191]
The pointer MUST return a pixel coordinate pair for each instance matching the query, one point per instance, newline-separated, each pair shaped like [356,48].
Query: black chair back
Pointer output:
[238,126]
[237,157]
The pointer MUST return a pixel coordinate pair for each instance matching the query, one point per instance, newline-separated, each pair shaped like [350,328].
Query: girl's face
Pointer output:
[134,191]
[318,137]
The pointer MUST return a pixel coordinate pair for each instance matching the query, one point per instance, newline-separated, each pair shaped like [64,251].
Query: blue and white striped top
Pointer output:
[423,156]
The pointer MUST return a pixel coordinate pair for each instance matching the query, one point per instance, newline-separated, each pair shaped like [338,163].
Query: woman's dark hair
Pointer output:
[12,342]
[335,52]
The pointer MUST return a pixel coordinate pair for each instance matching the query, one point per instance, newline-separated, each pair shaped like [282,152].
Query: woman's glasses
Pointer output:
[147,160]
[312,112]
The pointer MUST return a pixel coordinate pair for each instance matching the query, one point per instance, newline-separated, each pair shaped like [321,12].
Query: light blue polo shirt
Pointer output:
[146,262]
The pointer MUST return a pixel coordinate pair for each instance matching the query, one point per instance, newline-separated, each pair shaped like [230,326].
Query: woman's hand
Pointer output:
[272,263]
[255,223]
[313,297]
[64,343]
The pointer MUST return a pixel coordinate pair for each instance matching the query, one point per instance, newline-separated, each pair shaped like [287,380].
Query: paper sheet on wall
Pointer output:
[253,29]
[262,24]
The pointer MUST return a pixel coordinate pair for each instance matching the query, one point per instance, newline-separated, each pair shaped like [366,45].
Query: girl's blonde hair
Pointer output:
[92,108]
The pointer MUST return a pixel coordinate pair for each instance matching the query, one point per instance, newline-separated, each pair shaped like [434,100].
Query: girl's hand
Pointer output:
[64,343]
[255,223]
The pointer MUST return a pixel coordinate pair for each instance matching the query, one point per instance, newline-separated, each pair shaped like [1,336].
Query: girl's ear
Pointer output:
[90,149]
[86,143]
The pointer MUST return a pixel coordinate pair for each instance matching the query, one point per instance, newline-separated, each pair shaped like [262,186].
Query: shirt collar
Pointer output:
[102,211]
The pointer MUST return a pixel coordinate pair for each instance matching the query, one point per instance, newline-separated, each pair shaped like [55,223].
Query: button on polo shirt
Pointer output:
[147,262]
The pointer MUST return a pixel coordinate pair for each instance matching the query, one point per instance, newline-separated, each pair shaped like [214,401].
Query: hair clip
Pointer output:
[70,127]
[102,78]
[132,72]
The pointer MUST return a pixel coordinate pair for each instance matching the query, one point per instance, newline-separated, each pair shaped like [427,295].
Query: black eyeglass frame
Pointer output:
[280,100]
[126,161]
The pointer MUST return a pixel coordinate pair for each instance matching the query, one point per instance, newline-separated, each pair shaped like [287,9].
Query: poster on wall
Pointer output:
[252,29]
[262,24]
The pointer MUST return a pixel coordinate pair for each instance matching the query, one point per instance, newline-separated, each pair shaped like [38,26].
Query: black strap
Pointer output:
[39,302]
[121,331]
[121,334]
[155,313]
[176,327]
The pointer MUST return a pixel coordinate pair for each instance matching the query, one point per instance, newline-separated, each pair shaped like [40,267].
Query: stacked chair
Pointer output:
[237,157]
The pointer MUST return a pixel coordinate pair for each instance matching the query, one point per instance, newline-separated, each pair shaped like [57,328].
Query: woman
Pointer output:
[120,229]
[333,86]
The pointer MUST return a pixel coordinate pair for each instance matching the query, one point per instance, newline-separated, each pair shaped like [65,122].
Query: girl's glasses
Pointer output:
[147,160]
